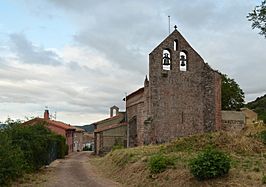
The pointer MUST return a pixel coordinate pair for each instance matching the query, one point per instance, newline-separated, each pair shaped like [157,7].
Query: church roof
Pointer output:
[141,90]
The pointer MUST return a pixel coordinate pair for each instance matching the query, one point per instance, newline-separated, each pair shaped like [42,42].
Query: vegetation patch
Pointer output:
[25,149]
[159,163]
[210,163]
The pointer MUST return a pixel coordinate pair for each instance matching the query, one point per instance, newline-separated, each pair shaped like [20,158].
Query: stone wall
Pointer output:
[107,139]
[233,121]
[251,116]
[181,102]
[135,115]
[174,102]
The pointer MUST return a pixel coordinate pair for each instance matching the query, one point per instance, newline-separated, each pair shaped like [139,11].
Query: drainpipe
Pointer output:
[126,120]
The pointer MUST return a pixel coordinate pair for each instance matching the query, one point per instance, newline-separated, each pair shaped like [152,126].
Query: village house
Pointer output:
[110,132]
[57,127]
[78,139]
[250,116]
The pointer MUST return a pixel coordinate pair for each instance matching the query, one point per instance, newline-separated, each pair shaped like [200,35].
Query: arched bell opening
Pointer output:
[183,61]
[167,64]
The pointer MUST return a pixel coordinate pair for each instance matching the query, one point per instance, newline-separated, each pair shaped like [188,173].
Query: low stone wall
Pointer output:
[233,121]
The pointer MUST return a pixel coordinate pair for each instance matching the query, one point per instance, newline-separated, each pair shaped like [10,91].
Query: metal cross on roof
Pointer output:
[175,27]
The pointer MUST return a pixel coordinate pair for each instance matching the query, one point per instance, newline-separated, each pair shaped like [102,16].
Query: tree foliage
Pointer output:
[12,161]
[26,149]
[258,18]
[232,94]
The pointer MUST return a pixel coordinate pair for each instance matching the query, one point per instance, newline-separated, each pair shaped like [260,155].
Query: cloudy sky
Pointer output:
[81,57]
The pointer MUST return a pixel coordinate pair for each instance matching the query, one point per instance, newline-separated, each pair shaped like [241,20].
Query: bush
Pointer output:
[27,148]
[210,163]
[11,160]
[159,163]
[62,148]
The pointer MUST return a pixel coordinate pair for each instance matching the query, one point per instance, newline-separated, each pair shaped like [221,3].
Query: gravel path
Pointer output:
[74,171]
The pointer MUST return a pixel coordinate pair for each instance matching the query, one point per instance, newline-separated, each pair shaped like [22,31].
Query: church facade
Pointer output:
[181,96]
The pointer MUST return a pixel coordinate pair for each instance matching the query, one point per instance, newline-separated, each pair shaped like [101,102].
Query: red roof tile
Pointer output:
[58,124]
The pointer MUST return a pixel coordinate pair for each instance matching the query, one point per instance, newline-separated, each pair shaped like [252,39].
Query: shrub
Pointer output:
[62,148]
[26,149]
[39,145]
[34,141]
[210,163]
[11,160]
[159,163]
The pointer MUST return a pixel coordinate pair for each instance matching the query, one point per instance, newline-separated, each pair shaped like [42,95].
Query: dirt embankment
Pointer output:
[248,154]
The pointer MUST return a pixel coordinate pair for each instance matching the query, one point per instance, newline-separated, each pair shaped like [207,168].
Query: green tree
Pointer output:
[258,18]
[232,94]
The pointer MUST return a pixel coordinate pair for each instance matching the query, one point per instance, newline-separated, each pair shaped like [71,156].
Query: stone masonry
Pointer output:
[181,100]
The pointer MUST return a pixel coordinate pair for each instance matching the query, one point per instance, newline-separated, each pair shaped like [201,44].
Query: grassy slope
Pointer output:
[129,166]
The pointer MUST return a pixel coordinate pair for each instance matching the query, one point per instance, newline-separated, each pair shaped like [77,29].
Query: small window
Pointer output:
[183,61]
[175,45]
[166,59]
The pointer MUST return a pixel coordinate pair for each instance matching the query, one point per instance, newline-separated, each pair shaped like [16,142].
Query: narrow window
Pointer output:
[176,45]
[166,59]
[183,61]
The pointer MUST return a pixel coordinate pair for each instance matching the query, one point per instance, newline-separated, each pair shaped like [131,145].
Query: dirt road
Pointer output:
[73,171]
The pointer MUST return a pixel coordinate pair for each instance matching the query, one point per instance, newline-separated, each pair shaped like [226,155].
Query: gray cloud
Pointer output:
[30,54]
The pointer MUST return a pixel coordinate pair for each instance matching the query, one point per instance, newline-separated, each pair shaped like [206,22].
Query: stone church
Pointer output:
[181,96]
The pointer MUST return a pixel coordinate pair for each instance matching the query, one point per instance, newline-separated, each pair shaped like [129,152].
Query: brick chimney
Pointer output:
[46,114]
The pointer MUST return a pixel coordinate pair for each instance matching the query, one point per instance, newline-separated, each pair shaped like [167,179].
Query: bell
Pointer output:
[166,60]
[183,60]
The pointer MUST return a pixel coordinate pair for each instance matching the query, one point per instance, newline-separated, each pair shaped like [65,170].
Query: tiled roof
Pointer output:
[58,124]
[110,127]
